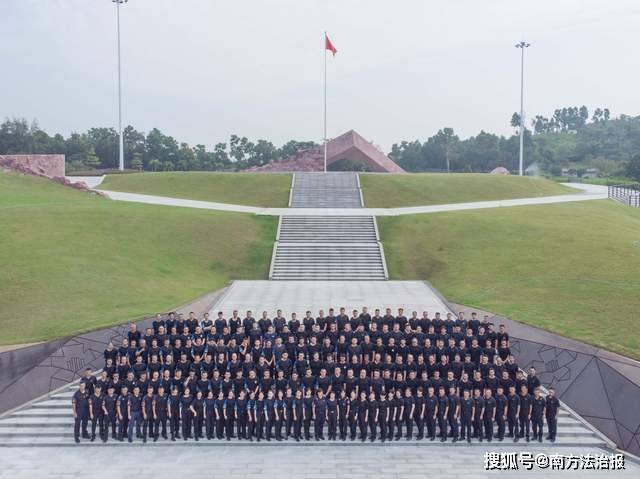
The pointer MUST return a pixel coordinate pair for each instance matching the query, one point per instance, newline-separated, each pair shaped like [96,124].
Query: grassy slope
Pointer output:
[73,262]
[416,189]
[570,268]
[237,188]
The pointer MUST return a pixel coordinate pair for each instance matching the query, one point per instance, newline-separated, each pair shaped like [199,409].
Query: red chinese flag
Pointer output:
[329,46]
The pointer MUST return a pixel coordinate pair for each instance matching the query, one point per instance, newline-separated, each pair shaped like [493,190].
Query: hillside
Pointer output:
[387,191]
[236,188]
[73,262]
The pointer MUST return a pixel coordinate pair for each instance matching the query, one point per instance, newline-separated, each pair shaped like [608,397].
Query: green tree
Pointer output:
[136,162]
[154,164]
[633,167]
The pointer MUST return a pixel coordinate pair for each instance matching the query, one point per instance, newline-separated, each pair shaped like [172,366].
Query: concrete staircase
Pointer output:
[49,422]
[326,247]
[326,190]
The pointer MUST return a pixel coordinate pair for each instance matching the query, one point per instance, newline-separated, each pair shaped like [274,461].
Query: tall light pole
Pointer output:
[522,46]
[120,139]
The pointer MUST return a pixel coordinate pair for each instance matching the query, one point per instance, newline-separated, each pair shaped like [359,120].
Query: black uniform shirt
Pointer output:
[537,407]
[82,402]
[466,408]
[552,406]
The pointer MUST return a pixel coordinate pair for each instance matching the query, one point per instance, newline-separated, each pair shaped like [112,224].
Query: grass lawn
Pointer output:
[415,189]
[569,268]
[252,189]
[73,262]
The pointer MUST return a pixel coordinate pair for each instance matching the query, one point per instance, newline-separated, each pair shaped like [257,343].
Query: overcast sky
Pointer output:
[201,70]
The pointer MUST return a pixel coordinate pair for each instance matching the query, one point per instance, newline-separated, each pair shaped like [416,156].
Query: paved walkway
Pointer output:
[589,192]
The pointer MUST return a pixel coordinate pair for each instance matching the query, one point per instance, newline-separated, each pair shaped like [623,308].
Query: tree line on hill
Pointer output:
[98,149]
[570,139]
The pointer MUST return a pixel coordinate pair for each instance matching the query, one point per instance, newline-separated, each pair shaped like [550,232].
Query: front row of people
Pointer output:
[283,415]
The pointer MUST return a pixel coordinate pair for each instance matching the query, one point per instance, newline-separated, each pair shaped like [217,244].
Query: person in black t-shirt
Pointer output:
[538,405]
[466,415]
[524,417]
[134,409]
[80,406]
[489,415]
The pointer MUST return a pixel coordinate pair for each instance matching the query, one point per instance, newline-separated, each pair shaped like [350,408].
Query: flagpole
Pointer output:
[324,45]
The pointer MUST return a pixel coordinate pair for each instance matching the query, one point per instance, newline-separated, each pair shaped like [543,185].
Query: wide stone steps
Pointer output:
[326,190]
[327,229]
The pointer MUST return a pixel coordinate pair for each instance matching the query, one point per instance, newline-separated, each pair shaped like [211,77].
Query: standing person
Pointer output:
[319,415]
[363,415]
[343,413]
[134,409]
[443,411]
[298,414]
[110,413]
[332,416]
[288,402]
[489,416]
[197,408]
[307,413]
[501,412]
[186,415]
[409,409]
[391,415]
[160,408]
[281,411]
[229,415]
[242,412]
[251,416]
[478,402]
[466,415]
[123,413]
[96,413]
[80,407]
[454,413]
[538,404]
[269,413]
[399,401]
[373,416]
[174,414]
[147,415]
[220,421]
[430,411]
[260,418]
[383,416]
[210,415]
[513,411]
[418,414]
[353,415]
[524,416]
[551,412]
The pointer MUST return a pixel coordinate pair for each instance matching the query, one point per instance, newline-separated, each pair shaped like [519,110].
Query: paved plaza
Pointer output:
[282,461]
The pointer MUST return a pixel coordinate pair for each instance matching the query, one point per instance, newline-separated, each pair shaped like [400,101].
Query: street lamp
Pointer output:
[522,46]
[120,139]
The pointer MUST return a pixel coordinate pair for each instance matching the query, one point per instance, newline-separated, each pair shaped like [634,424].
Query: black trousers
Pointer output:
[110,422]
[383,429]
[229,425]
[288,424]
[80,423]
[269,427]
[512,421]
[319,425]
[123,427]
[353,427]
[186,424]
[442,425]
[501,426]
[525,426]
[160,424]
[251,427]
[342,422]
[465,428]
[210,425]
[220,427]
[242,426]
[333,425]
[147,427]
[259,432]
[362,424]
[537,427]
[477,427]
[278,427]
[488,427]
[390,424]
[552,425]
[198,422]
[420,425]
[373,428]
[97,422]
[174,425]
[431,425]
[307,427]
[398,427]
[408,422]
[453,427]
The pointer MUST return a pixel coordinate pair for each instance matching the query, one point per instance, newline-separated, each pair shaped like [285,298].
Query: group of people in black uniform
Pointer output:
[367,377]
